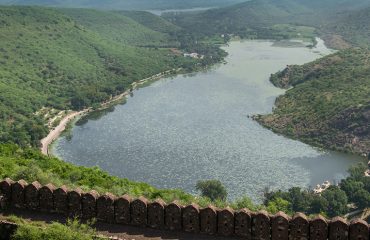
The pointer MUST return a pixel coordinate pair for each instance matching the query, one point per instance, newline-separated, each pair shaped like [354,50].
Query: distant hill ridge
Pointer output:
[256,18]
[124,4]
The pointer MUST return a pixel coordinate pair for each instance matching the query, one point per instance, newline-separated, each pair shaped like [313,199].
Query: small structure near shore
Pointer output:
[367,172]
[194,55]
[320,188]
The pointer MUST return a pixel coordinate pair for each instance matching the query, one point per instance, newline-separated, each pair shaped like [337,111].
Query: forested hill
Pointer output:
[259,18]
[352,26]
[70,59]
[125,4]
[119,28]
[329,105]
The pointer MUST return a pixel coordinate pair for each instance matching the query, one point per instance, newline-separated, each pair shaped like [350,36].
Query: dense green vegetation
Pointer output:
[116,27]
[213,189]
[73,230]
[261,19]
[352,26]
[329,105]
[125,4]
[152,21]
[332,202]
[72,59]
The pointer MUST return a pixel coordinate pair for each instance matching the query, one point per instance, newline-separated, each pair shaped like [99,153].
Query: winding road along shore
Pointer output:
[57,131]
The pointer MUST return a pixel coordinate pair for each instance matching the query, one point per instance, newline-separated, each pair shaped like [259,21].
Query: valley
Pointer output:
[197,126]
[241,104]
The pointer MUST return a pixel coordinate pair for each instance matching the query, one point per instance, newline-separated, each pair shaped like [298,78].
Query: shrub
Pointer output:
[73,230]
[212,189]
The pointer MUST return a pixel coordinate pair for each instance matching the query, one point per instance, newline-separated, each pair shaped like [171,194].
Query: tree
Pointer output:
[361,198]
[357,172]
[212,189]
[279,204]
[299,199]
[244,202]
[351,186]
[318,205]
[337,201]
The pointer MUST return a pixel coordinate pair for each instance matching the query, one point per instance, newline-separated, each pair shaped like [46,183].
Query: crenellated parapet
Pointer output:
[159,215]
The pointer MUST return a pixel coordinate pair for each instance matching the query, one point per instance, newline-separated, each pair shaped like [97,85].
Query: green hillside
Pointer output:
[352,26]
[119,28]
[329,105]
[258,18]
[49,59]
[125,4]
[151,21]
[253,19]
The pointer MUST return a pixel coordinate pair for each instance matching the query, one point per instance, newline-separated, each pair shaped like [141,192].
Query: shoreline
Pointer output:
[55,133]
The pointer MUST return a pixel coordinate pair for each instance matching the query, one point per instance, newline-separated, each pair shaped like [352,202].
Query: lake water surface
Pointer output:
[193,127]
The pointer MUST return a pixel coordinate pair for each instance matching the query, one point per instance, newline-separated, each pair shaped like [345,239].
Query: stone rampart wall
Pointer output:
[174,217]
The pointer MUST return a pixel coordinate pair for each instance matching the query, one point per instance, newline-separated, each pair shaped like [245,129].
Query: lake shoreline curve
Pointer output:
[57,131]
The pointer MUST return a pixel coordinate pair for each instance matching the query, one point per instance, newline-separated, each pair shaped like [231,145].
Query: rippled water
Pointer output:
[190,127]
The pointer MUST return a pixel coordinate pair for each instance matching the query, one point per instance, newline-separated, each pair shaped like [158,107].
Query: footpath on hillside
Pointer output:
[58,130]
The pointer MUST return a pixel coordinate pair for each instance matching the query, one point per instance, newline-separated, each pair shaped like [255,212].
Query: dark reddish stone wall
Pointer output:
[122,213]
[174,217]
[105,208]
[156,214]
[139,211]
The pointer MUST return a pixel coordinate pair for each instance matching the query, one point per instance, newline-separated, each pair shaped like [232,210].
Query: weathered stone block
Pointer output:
[105,208]
[190,218]
[299,227]
[243,224]
[61,201]
[7,230]
[225,222]
[338,229]
[359,230]
[74,203]
[89,204]
[46,198]
[3,202]
[208,220]
[18,193]
[156,214]
[122,209]
[261,226]
[319,228]
[6,192]
[280,226]
[139,212]
[31,195]
[173,217]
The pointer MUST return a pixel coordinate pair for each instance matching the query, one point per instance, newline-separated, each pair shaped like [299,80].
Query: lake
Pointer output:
[196,126]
